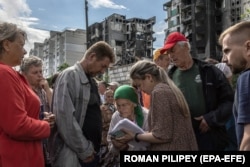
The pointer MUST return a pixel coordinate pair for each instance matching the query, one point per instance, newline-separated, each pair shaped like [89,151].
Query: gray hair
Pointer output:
[30,61]
[9,31]
[182,43]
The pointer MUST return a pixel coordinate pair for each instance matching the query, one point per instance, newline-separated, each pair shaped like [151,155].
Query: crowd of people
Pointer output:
[177,101]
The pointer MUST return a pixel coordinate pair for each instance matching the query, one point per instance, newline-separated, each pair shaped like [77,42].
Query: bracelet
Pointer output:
[136,137]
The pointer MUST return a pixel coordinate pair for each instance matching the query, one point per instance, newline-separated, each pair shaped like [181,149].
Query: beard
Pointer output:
[239,67]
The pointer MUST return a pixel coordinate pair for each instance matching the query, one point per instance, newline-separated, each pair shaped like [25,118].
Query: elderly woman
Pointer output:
[31,69]
[21,131]
[128,106]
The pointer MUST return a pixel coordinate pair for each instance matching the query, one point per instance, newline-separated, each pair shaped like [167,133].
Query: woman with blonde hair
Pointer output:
[169,120]
[21,131]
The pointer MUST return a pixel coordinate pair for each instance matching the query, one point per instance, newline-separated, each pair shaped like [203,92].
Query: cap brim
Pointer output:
[166,47]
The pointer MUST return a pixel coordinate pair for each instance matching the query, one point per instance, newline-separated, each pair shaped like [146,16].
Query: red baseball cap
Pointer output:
[171,40]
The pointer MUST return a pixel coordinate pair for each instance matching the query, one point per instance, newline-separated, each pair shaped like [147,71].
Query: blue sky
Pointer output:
[38,17]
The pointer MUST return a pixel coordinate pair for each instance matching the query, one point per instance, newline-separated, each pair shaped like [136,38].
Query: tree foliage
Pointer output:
[246,14]
[62,67]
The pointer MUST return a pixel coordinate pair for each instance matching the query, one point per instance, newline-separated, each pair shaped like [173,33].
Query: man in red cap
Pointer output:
[171,41]
[207,91]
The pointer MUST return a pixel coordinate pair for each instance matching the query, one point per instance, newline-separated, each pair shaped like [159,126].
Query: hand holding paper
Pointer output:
[128,127]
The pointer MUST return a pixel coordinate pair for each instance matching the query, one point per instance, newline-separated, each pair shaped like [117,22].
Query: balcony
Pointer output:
[200,16]
[186,20]
[200,43]
[201,29]
[200,3]
[218,12]
[186,7]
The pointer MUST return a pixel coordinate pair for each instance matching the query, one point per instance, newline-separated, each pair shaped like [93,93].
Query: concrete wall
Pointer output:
[120,74]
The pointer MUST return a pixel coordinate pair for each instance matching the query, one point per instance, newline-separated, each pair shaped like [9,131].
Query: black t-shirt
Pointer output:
[92,127]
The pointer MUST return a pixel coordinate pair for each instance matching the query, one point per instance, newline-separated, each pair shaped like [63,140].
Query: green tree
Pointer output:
[246,14]
[62,67]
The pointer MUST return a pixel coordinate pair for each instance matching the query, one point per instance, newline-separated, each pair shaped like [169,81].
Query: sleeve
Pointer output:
[14,120]
[161,122]
[113,122]
[65,98]
[221,98]
[243,91]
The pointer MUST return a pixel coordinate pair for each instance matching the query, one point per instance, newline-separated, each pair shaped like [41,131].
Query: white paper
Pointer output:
[127,124]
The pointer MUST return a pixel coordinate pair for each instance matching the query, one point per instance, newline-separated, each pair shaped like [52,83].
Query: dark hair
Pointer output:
[104,83]
[102,50]
[211,61]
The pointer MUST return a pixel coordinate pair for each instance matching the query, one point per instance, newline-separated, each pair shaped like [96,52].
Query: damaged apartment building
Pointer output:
[202,21]
[132,40]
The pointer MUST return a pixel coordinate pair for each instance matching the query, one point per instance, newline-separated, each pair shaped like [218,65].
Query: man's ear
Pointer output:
[247,44]
[91,56]
[6,45]
[149,77]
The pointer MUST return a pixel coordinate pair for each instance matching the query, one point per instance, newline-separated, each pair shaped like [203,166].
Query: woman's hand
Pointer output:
[127,137]
[50,118]
[89,158]
[119,144]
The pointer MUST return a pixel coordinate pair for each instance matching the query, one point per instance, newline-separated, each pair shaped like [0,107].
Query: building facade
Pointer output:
[67,47]
[202,21]
[132,40]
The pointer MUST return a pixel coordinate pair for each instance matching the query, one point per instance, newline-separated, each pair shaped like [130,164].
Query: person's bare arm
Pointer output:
[245,142]
[147,137]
